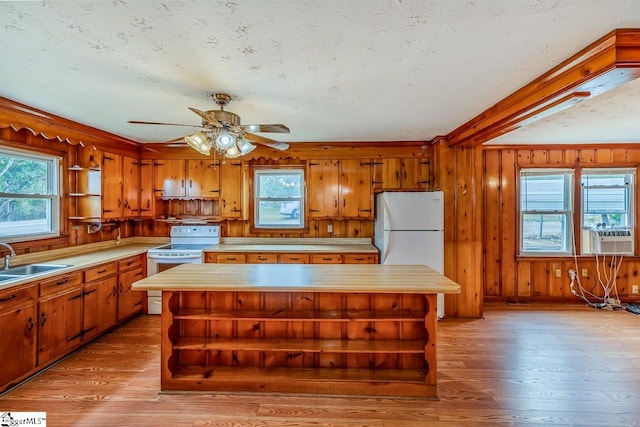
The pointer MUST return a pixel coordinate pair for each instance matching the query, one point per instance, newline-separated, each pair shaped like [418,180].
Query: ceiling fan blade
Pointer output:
[137,122]
[207,117]
[181,138]
[267,141]
[275,128]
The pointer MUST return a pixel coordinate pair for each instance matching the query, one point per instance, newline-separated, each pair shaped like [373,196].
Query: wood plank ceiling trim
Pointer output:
[19,116]
[606,64]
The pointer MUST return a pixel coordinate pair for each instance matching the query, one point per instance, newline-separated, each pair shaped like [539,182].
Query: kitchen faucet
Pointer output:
[7,258]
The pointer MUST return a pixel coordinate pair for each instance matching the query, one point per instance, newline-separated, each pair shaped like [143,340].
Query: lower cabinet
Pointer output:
[129,301]
[100,306]
[289,258]
[45,320]
[18,333]
[59,316]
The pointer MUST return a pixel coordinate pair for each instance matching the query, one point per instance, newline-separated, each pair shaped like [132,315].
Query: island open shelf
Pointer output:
[325,329]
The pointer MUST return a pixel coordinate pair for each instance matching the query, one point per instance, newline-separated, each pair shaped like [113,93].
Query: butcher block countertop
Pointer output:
[369,278]
[80,257]
[282,245]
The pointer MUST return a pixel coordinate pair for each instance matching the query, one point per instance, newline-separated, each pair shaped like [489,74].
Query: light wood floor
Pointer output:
[521,365]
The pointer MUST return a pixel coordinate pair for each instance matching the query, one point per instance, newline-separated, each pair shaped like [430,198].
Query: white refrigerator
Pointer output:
[409,229]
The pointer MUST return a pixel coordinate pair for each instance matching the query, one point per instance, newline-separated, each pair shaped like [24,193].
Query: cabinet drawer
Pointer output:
[130,263]
[17,296]
[58,283]
[262,258]
[101,271]
[231,258]
[294,258]
[360,259]
[326,259]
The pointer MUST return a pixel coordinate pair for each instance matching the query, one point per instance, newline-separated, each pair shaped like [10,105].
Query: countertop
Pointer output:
[283,245]
[79,257]
[357,278]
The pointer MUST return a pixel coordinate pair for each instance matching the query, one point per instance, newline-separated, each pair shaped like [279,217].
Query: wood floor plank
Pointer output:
[521,365]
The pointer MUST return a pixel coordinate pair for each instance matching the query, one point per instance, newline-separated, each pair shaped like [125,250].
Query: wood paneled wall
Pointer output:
[506,276]
[458,175]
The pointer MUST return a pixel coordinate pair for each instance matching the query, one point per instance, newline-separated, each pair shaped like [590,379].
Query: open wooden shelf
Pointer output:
[301,315]
[327,381]
[303,342]
[301,345]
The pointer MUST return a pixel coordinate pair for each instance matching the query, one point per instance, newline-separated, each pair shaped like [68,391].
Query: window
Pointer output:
[29,200]
[545,211]
[607,201]
[279,201]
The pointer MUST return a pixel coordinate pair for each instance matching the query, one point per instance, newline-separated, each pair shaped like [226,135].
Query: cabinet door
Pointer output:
[386,173]
[100,306]
[129,301]
[203,178]
[415,173]
[231,258]
[356,199]
[146,189]
[231,190]
[131,187]
[169,178]
[323,185]
[59,324]
[360,259]
[112,205]
[18,333]
[326,259]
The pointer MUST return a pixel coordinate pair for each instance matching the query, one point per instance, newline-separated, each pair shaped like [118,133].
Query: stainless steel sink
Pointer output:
[5,277]
[30,270]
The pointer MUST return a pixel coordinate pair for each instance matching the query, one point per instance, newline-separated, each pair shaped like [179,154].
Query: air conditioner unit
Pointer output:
[612,241]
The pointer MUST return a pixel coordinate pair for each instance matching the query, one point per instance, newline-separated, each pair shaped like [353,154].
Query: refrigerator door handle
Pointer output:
[387,233]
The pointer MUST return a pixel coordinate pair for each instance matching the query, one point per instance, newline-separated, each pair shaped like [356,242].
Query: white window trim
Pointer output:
[55,190]
[567,212]
[257,199]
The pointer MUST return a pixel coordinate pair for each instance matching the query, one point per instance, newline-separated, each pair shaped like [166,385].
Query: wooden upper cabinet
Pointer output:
[356,199]
[323,188]
[112,186]
[393,174]
[339,188]
[146,189]
[203,178]
[169,178]
[131,186]
[198,179]
[231,189]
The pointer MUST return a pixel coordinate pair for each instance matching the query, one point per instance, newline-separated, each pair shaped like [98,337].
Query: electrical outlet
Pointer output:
[634,289]
[585,272]
[329,228]
[572,274]
[558,272]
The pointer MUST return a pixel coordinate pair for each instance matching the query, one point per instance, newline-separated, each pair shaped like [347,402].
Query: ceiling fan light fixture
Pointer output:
[245,146]
[225,140]
[199,142]
[232,152]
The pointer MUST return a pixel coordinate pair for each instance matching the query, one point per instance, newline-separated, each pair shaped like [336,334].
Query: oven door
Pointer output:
[157,264]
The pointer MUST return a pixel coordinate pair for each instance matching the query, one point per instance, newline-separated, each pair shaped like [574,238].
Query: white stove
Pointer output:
[186,247]
[187,243]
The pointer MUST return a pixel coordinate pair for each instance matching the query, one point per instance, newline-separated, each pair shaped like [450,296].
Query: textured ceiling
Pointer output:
[332,70]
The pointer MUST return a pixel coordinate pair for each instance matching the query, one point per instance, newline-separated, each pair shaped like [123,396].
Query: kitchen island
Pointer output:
[324,329]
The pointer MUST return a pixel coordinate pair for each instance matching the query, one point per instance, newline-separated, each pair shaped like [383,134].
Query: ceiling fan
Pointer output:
[222,131]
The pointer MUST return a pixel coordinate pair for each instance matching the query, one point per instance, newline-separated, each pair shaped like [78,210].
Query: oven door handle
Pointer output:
[172,258]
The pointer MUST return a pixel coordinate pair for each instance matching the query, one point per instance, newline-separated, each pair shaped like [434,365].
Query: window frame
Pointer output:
[567,212]
[630,200]
[255,200]
[53,195]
